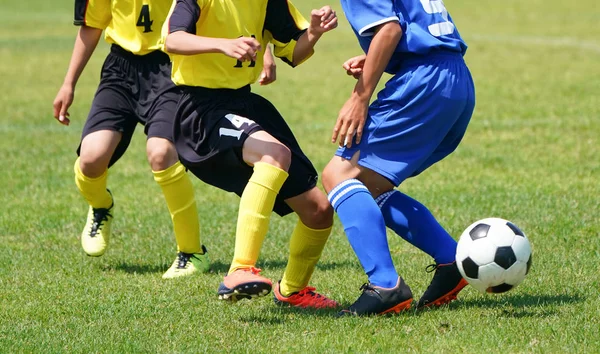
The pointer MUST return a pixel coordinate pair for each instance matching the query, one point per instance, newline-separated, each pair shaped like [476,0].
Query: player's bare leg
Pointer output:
[271,160]
[177,188]
[91,169]
[306,245]
[346,182]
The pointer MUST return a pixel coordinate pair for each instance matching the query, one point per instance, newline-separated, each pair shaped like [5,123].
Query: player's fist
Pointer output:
[242,48]
[323,20]
[354,66]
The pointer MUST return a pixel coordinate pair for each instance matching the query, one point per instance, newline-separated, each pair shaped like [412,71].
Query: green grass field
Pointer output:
[531,155]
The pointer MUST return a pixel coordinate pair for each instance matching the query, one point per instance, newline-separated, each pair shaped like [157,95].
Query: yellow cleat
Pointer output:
[96,233]
[187,264]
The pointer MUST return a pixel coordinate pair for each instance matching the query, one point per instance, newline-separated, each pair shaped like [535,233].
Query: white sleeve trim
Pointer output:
[366,28]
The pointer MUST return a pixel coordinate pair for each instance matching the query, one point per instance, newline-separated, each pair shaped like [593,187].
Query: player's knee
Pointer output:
[161,154]
[93,164]
[278,155]
[319,217]
[337,171]
[323,215]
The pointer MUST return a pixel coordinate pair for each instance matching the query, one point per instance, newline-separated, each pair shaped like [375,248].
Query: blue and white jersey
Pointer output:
[426,24]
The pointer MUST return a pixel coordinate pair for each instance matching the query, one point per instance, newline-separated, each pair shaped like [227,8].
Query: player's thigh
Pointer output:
[450,141]
[157,113]
[225,171]
[109,126]
[312,208]
[158,126]
[158,116]
[340,169]
[261,146]
[465,93]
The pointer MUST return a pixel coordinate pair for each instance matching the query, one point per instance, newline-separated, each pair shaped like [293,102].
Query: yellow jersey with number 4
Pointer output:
[134,25]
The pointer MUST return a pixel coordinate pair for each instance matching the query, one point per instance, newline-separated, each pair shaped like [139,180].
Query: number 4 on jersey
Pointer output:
[144,19]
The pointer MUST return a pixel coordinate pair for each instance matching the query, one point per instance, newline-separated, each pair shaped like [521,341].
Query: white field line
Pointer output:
[567,42]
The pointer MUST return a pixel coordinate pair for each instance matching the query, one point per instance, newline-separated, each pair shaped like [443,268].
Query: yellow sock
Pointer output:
[179,195]
[256,206]
[93,189]
[306,246]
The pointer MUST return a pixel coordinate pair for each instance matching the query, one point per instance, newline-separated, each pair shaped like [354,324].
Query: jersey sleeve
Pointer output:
[365,15]
[184,16]
[285,25]
[92,13]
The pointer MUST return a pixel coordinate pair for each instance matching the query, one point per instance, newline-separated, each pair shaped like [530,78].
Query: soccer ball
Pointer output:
[493,255]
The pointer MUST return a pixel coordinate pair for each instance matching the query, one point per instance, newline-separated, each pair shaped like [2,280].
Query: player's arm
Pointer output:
[382,47]
[93,16]
[293,37]
[181,36]
[85,44]
[321,21]
[352,116]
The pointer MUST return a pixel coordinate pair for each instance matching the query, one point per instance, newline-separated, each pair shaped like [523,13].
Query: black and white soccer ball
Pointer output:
[493,255]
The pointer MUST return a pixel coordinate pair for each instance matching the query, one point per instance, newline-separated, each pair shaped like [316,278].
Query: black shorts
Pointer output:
[211,126]
[133,89]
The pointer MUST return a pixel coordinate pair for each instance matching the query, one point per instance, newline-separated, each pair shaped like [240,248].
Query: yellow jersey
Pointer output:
[134,25]
[269,21]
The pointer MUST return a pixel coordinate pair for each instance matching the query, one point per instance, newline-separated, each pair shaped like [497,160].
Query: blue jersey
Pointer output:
[426,24]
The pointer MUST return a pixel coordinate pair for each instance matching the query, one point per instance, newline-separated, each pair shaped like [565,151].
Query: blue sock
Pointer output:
[415,223]
[365,229]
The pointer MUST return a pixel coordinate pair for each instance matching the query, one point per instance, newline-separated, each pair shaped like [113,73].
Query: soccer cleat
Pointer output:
[305,298]
[244,284]
[378,301]
[96,233]
[445,285]
[188,264]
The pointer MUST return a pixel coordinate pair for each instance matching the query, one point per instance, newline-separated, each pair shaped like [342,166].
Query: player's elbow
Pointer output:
[391,29]
[172,43]
[169,45]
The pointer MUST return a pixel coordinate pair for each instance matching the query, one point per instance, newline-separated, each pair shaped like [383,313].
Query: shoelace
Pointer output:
[254,270]
[183,260]
[100,216]
[314,298]
[368,287]
[432,268]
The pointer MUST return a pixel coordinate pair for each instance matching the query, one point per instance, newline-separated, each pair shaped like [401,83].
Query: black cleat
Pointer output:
[445,285]
[378,301]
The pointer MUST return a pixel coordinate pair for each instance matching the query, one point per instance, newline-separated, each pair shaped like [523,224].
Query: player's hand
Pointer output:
[62,102]
[269,72]
[354,66]
[350,122]
[242,49]
[323,20]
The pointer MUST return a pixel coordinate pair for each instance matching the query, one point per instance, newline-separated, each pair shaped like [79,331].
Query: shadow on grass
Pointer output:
[523,305]
[136,268]
[222,268]
[348,264]
[279,314]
